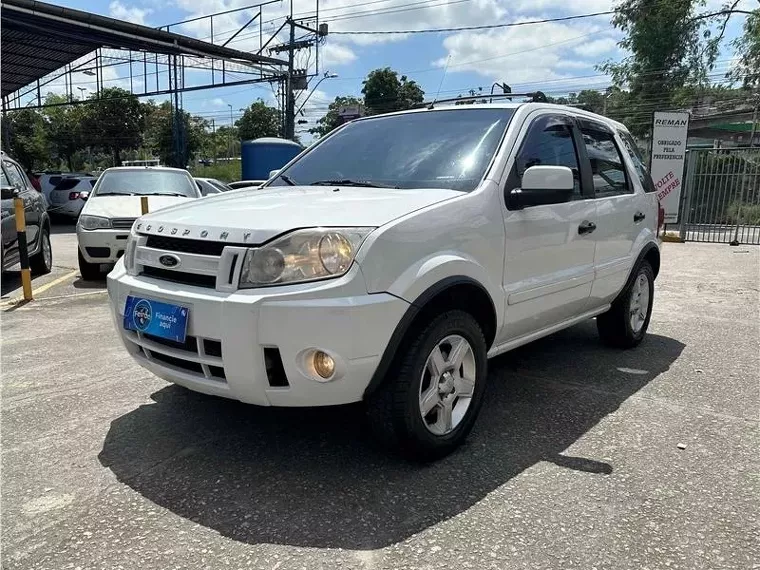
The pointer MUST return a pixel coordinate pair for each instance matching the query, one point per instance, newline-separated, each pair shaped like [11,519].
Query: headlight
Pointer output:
[94,223]
[304,255]
[129,252]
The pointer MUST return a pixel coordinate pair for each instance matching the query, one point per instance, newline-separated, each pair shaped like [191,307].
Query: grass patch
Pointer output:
[224,171]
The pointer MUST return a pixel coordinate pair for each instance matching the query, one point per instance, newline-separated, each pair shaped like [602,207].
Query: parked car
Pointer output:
[245,184]
[114,204]
[67,198]
[390,260]
[15,182]
[209,186]
[49,179]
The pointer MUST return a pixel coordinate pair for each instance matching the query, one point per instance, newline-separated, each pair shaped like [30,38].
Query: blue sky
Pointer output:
[555,57]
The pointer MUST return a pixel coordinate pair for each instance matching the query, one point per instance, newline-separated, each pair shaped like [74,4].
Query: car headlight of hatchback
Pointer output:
[94,222]
[303,255]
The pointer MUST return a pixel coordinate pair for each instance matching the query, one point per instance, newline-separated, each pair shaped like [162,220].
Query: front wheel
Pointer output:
[42,263]
[429,402]
[626,323]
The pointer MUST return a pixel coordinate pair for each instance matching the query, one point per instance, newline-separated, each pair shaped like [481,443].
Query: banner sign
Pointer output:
[668,155]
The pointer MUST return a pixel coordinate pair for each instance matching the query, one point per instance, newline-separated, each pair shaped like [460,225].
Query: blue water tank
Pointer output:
[263,155]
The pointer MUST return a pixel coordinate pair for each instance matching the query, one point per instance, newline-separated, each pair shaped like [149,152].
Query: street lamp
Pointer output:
[327,75]
[82,90]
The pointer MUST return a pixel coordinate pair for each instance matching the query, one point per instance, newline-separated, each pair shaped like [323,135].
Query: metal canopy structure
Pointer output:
[39,38]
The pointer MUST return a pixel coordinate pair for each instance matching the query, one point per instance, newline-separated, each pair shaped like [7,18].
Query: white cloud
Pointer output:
[596,48]
[130,14]
[335,54]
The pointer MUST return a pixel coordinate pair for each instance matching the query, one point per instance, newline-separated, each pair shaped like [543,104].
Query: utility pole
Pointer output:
[229,136]
[213,138]
[296,78]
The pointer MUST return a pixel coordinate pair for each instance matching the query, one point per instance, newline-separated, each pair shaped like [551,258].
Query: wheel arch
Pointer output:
[650,253]
[455,292]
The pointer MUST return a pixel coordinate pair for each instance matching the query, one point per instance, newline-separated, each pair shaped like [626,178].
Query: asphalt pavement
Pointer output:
[583,456]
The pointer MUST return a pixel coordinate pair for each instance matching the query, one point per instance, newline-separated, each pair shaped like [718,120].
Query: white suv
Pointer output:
[390,260]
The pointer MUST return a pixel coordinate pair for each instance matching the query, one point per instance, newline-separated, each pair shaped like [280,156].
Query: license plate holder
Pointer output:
[164,320]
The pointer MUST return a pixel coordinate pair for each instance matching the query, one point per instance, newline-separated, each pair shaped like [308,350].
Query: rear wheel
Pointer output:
[429,402]
[42,263]
[626,323]
[89,271]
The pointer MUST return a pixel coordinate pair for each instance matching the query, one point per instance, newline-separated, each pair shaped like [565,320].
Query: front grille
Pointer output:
[197,246]
[122,223]
[208,281]
[190,344]
[196,367]
[212,347]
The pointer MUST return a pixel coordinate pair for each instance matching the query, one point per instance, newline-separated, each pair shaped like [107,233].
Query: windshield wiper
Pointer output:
[349,182]
[116,194]
[164,194]
[288,180]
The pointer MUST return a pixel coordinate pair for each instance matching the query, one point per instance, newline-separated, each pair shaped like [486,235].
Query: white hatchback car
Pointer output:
[391,259]
[115,203]
[68,197]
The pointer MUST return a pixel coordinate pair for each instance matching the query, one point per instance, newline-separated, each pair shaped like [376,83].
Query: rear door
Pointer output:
[29,195]
[549,263]
[619,213]
[10,248]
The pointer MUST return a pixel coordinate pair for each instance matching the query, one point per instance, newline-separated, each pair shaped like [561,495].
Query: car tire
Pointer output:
[627,321]
[88,271]
[42,263]
[395,409]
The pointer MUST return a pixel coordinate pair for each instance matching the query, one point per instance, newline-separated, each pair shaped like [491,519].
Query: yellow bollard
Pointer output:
[144,204]
[23,248]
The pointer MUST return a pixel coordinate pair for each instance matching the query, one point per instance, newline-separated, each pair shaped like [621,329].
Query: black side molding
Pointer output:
[406,322]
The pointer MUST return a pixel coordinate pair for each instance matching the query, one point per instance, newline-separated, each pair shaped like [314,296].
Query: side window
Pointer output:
[4,178]
[549,142]
[638,161]
[14,175]
[607,165]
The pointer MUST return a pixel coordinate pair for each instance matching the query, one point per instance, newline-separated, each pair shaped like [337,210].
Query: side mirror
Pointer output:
[8,192]
[84,195]
[273,173]
[542,185]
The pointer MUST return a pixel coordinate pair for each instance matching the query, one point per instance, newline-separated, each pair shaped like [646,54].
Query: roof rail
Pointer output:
[535,97]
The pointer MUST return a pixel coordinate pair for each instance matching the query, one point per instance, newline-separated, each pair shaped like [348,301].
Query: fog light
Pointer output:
[324,365]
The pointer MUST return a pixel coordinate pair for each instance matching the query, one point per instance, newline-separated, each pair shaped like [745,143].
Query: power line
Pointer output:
[484,27]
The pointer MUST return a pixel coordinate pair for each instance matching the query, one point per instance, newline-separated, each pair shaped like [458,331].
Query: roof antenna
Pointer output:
[445,69]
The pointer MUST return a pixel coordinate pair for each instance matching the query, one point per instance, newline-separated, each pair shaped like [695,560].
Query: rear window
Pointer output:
[146,183]
[54,180]
[67,184]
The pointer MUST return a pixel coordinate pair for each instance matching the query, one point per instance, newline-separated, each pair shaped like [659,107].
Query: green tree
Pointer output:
[384,91]
[332,119]
[115,121]
[747,70]
[64,128]
[258,120]
[159,134]
[24,138]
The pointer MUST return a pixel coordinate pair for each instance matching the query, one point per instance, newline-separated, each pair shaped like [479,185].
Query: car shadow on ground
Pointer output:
[93,284]
[314,477]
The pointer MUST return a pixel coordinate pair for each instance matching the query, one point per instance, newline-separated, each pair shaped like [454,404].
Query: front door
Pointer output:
[549,250]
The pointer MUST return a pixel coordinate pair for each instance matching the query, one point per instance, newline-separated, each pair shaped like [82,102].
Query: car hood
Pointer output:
[128,206]
[255,216]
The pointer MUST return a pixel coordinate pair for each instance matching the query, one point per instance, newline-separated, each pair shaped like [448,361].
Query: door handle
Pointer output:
[639,216]
[586,227]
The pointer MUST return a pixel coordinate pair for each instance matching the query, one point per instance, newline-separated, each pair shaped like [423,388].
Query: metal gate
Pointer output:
[721,199]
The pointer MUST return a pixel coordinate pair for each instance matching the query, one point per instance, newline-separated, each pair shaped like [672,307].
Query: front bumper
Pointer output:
[335,316]
[102,246]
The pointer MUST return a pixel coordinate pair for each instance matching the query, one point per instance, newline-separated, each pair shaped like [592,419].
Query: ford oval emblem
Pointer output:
[169,260]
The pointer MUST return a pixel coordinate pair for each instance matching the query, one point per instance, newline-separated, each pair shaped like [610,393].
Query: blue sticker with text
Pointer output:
[159,319]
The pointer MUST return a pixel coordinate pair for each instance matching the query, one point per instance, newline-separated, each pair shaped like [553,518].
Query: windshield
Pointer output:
[146,183]
[430,149]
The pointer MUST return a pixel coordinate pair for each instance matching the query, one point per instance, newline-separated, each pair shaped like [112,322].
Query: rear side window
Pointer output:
[638,161]
[67,184]
[607,164]
[15,176]
[549,142]
[4,178]
[92,183]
